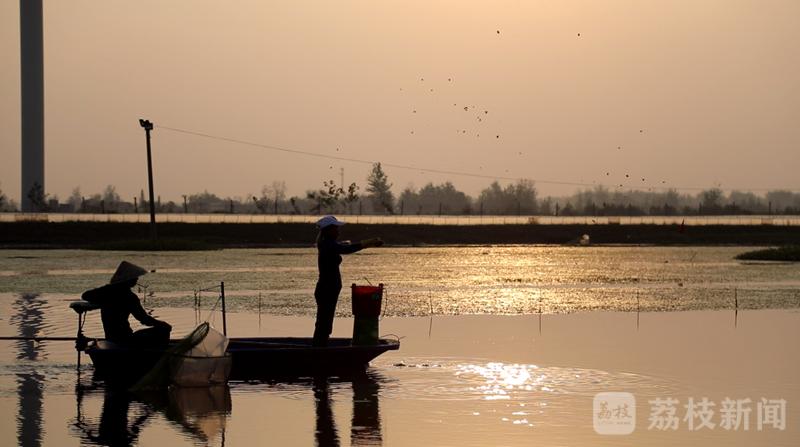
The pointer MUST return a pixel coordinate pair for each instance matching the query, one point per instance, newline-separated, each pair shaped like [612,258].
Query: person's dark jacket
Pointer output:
[116,305]
[328,260]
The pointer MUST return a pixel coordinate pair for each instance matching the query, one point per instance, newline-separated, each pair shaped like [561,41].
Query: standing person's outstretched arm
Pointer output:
[372,242]
[346,249]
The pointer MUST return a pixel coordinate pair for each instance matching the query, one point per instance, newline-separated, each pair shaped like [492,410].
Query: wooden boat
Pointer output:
[253,358]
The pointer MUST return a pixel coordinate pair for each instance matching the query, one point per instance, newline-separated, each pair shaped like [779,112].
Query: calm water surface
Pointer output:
[457,380]
[461,393]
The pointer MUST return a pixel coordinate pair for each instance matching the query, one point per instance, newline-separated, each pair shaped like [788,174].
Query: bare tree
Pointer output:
[782,201]
[350,197]
[327,197]
[110,198]
[75,199]
[206,202]
[272,196]
[711,200]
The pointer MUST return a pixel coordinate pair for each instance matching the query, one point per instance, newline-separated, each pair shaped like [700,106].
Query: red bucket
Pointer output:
[367,300]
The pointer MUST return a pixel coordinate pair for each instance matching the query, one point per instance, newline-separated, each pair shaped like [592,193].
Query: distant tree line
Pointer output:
[518,198]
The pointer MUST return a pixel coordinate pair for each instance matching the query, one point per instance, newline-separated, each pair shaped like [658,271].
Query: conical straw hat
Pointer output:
[127,271]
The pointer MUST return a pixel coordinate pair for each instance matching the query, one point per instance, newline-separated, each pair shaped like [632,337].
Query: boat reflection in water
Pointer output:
[200,413]
[365,427]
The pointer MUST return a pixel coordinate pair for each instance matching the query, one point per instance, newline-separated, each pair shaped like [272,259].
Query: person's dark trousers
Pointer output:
[326,297]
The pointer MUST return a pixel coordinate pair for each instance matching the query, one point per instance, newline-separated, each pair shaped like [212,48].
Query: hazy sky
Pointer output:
[695,93]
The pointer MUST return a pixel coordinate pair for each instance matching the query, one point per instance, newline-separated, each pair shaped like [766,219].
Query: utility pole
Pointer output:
[148,126]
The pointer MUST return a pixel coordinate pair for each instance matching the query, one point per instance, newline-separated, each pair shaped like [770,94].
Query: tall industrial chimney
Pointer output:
[32,93]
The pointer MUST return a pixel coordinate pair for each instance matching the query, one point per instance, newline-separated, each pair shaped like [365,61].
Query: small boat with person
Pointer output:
[255,358]
[250,358]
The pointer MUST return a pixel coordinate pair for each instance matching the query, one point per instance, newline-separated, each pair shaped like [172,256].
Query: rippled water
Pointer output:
[457,380]
[498,401]
[439,280]
[48,400]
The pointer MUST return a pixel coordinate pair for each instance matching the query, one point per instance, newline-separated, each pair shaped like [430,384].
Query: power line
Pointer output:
[358,160]
[429,170]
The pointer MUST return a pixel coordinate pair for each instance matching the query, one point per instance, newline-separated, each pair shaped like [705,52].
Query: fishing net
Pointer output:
[205,364]
[198,359]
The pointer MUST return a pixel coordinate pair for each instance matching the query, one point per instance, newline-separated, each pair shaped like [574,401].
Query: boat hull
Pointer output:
[257,358]
[252,358]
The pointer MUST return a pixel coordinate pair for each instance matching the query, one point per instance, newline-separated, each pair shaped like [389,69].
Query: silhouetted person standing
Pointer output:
[329,283]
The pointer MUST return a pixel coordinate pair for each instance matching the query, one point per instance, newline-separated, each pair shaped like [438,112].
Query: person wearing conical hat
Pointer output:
[329,284]
[118,302]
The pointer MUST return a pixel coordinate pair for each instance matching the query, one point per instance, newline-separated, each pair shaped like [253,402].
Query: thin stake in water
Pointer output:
[430,313]
[637,311]
[222,297]
[540,318]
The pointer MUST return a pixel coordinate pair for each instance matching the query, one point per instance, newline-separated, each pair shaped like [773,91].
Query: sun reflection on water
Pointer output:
[518,394]
[436,280]
[501,379]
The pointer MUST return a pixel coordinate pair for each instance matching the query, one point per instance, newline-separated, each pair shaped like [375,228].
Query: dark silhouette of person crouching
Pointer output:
[118,302]
[329,284]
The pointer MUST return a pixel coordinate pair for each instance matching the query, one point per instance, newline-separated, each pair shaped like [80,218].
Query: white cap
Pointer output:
[327,221]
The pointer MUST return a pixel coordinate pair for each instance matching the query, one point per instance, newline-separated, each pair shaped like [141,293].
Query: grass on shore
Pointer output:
[158,245]
[785,253]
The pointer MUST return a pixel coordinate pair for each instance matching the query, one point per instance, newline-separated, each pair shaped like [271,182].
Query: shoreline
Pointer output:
[35,247]
[183,236]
